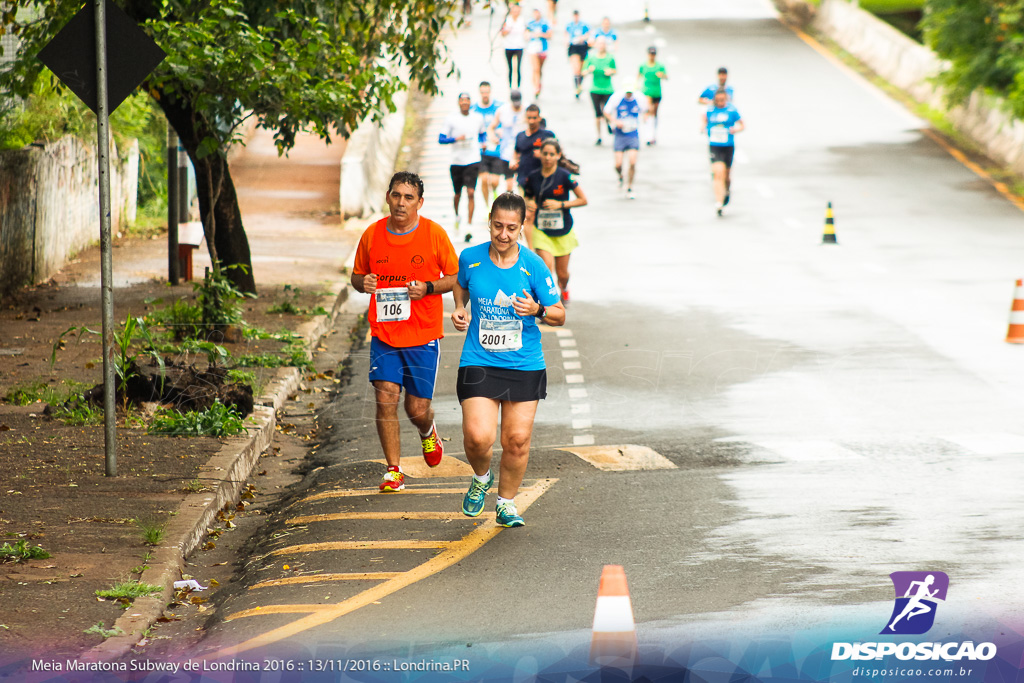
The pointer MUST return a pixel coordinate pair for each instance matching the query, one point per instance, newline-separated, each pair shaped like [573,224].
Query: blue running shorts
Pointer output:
[413,367]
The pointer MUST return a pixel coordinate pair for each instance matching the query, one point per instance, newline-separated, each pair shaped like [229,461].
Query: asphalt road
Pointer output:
[823,414]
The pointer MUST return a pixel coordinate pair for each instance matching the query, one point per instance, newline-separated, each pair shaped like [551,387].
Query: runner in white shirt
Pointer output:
[464,130]
[506,125]
[514,32]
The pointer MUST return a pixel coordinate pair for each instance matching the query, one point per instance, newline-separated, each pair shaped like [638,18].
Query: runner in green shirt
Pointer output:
[652,72]
[602,65]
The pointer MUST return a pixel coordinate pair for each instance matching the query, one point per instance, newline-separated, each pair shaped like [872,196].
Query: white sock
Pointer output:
[483,479]
[502,501]
[433,426]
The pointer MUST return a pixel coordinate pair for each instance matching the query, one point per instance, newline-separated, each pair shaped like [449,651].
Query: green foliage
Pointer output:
[218,420]
[126,352]
[78,413]
[305,65]
[984,42]
[184,319]
[219,299]
[21,551]
[290,304]
[128,590]
[98,629]
[294,355]
[44,392]
[152,532]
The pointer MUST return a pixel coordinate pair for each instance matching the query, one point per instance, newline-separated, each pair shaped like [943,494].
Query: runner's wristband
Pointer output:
[541,312]
[430,287]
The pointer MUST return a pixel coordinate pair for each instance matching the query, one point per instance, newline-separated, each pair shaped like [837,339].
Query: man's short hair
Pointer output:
[509,201]
[407,178]
[533,107]
[483,83]
[723,70]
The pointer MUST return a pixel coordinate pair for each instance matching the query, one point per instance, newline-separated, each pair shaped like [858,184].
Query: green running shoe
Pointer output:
[473,503]
[507,515]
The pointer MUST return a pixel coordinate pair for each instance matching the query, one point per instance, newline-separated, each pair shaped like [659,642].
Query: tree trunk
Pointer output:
[216,190]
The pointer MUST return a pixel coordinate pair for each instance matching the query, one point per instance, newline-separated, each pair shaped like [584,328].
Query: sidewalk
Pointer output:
[52,489]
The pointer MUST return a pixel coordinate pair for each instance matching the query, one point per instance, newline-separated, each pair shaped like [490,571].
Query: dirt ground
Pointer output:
[53,492]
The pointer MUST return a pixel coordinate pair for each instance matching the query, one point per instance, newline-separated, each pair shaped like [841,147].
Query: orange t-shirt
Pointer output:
[425,254]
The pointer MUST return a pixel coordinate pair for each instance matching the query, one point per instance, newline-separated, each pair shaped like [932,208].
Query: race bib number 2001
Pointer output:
[501,335]
[393,304]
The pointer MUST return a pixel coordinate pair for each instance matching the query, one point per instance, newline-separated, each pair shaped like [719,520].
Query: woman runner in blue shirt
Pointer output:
[502,365]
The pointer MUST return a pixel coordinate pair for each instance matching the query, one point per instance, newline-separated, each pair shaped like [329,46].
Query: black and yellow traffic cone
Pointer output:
[830,229]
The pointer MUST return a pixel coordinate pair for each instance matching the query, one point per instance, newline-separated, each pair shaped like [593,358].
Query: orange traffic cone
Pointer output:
[1015,335]
[614,639]
[830,229]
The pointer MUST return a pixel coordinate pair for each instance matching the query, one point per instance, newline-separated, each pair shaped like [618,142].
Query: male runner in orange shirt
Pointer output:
[406,263]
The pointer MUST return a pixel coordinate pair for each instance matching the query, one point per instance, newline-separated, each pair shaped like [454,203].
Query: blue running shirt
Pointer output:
[577,30]
[490,290]
[719,121]
[538,44]
[628,113]
[709,92]
[488,113]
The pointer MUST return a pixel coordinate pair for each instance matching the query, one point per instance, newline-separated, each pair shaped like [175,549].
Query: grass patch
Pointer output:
[105,632]
[152,532]
[44,392]
[128,590]
[218,420]
[78,413]
[294,355]
[21,551]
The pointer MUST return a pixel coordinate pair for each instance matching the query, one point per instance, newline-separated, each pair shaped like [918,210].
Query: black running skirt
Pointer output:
[518,386]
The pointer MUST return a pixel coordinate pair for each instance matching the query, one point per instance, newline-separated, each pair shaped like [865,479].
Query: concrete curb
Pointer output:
[227,473]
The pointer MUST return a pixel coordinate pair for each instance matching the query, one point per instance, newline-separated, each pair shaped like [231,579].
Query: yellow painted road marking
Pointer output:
[1001,188]
[362,545]
[317,578]
[622,458]
[349,493]
[331,517]
[318,615]
[417,468]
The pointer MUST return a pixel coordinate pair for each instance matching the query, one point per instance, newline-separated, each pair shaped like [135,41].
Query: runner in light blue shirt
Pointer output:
[720,123]
[491,168]
[502,371]
[708,94]
[606,32]
[538,31]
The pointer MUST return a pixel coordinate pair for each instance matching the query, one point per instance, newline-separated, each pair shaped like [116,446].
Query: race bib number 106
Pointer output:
[393,304]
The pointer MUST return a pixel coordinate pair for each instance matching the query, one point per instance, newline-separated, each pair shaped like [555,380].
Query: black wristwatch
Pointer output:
[430,287]
[541,312]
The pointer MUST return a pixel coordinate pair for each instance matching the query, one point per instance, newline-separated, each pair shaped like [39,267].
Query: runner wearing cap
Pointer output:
[491,166]
[578,47]
[708,94]
[508,122]
[405,263]
[623,115]
[602,65]
[652,72]
[721,122]
[501,370]
[463,130]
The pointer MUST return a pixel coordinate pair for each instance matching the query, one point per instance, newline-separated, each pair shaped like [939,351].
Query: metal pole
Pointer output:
[173,269]
[183,207]
[106,258]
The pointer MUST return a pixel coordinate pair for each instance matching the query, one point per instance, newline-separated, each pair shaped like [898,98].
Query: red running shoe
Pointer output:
[565,297]
[433,449]
[393,481]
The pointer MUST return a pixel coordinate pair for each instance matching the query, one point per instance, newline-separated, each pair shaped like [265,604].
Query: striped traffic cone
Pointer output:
[614,639]
[830,229]
[1015,335]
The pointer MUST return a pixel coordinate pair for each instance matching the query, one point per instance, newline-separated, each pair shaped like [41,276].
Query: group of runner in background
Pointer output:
[503,289]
